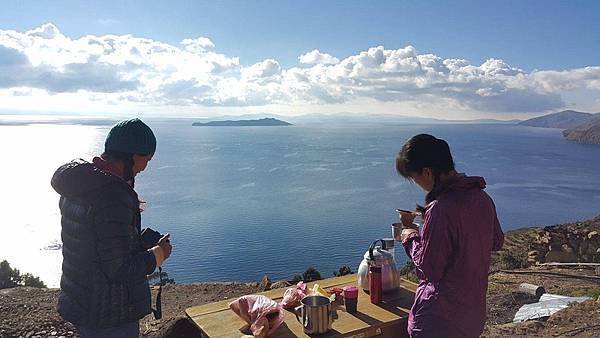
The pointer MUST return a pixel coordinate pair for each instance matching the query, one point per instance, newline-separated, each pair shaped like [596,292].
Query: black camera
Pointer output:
[150,237]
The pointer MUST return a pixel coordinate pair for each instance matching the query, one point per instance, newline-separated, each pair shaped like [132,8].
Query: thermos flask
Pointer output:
[375,284]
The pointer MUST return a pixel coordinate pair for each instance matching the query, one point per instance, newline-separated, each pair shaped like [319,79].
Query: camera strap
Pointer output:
[158,311]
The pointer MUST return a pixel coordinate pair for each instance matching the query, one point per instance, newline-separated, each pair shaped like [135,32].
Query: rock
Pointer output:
[555,247]
[265,284]
[583,248]
[566,248]
[544,239]
[533,256]
[280,285]
[592,235]
[560,257]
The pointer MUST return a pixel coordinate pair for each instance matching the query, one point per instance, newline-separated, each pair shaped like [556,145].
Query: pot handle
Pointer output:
[305,322]
[296,310]
[372,247]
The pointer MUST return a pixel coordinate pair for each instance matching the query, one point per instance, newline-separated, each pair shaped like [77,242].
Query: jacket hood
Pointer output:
[462,182]
[79,177]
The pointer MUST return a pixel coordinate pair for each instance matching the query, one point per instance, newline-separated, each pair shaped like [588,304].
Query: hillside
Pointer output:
[588,132]
[563,120]
[30,312]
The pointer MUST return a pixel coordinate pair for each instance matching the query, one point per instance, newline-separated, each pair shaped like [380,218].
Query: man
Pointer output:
[104,286]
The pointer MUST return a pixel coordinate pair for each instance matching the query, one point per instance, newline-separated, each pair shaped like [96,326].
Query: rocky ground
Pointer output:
[30,312]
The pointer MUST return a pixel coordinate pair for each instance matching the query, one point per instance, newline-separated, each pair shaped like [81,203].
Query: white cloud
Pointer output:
[198,45]
[126,70]
[315,57]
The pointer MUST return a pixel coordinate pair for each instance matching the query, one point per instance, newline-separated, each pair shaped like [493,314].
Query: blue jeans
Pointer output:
[127,330]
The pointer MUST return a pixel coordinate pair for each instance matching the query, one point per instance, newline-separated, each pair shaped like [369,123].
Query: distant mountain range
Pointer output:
[563,120]
[352,119]
[270,122]
[588,132]
[579,127]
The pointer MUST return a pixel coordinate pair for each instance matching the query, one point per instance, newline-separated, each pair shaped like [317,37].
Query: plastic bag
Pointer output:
[319,291]
[262,314]
[293,296]
[547,306]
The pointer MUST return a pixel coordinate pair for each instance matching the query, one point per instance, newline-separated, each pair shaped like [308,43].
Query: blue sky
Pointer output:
[528,36]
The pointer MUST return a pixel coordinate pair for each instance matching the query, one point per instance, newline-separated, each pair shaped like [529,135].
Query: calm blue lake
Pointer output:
[243,202]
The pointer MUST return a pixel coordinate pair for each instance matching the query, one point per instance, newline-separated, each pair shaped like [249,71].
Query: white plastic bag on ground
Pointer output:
[548,305]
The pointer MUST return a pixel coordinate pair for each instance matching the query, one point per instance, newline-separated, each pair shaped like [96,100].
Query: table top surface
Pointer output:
[218,320]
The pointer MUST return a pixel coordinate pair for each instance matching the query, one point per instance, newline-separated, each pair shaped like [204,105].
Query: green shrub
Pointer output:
[154,278]
[296,279]
[311,274]
[408,271]
[344,270]
[30,280]
[509,260]
[10,278]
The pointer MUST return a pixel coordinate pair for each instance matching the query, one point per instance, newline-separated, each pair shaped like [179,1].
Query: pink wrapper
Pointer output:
[262,314]
[293,296]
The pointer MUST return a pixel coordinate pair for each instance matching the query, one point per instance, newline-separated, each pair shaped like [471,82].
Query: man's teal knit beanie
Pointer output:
[131,136]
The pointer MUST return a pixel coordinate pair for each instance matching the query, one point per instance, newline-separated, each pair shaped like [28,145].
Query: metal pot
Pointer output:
[377,256]
[316,313]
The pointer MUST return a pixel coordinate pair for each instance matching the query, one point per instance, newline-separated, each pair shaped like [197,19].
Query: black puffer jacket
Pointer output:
[105,265]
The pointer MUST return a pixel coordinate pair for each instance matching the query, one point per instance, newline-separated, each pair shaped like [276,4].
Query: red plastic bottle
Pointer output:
[375,284]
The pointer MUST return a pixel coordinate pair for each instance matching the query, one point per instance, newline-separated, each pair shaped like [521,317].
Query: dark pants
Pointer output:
[127,330]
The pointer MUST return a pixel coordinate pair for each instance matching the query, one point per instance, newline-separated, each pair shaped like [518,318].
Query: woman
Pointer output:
[104,288]
[452,252]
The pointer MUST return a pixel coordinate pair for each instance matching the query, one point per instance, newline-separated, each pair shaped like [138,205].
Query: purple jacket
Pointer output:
[452,259]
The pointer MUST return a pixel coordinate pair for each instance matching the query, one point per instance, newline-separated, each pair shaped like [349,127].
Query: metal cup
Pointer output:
[316,313]
[397,230]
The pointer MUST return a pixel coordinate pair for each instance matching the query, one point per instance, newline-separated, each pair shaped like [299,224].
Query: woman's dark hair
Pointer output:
[127,159]
[425,151]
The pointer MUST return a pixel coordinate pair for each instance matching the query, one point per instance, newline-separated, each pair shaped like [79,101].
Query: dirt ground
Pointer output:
[30,312]
[176,298]
[579,320]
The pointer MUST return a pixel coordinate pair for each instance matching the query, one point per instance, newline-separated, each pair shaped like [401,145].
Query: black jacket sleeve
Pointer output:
[115,235]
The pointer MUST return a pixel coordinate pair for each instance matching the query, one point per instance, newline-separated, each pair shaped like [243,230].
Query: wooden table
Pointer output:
[387,319]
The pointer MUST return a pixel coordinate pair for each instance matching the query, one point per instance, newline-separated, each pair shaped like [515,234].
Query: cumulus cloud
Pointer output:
[316,57]
[200,44]
[123,69]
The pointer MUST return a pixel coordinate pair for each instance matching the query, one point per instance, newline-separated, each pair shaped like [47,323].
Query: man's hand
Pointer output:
[165,244]
[407,233]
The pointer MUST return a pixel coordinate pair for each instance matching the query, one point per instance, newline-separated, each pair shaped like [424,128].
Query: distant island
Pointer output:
[265,122]
[578,126]
[563,120]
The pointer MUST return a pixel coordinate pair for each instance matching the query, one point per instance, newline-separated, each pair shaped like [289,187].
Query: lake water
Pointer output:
[243,202]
